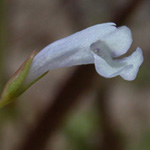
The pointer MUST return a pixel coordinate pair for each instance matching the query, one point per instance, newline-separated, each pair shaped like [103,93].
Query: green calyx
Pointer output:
[15,86]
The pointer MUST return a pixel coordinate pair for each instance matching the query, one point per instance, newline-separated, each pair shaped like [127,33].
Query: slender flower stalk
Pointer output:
[100,45]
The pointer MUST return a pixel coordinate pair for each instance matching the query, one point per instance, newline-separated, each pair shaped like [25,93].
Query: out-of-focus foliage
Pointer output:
[80,129]
[3,38]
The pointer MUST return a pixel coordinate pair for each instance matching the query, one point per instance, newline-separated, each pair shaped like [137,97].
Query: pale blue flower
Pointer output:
[100,45]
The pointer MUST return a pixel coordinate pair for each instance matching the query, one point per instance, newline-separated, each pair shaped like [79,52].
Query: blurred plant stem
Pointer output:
[110,138]
[123,13]
[80,82]
[75,13]
[3,40]
[52,118]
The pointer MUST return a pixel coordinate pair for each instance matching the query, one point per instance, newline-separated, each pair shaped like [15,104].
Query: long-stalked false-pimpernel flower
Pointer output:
[100,45]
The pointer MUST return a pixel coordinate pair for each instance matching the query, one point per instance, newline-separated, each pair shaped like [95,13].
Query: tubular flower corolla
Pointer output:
[100,45]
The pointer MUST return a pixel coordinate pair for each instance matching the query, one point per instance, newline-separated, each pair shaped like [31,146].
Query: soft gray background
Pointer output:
[29,25]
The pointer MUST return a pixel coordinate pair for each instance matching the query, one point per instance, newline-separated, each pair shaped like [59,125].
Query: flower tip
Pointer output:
[136,59]
[111,23]
[140,53]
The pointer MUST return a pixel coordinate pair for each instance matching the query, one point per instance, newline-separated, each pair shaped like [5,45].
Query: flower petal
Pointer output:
[136,60]
[127,68]
[119,41]
[107,70]
[69,51]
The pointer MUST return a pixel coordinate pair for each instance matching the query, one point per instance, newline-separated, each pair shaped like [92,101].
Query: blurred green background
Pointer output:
[122,122]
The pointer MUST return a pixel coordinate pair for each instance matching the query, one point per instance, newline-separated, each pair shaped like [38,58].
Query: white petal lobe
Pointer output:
[119,41]
[136,59]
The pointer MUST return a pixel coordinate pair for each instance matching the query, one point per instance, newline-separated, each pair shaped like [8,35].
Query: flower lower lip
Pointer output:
[126,68]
